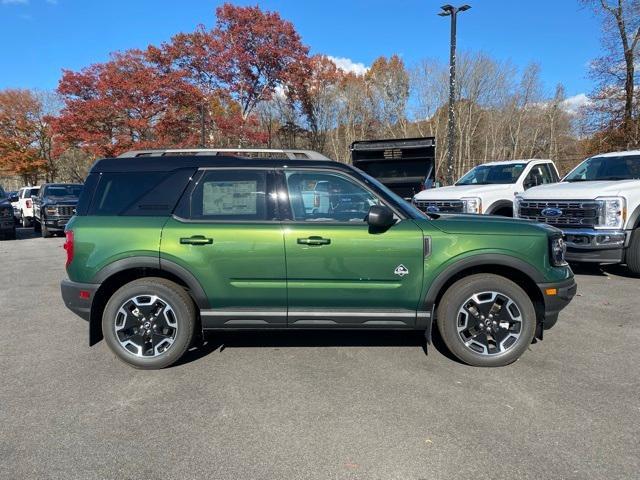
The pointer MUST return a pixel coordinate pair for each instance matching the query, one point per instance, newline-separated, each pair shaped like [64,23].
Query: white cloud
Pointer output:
[14,2]
[573,104]
[348,65]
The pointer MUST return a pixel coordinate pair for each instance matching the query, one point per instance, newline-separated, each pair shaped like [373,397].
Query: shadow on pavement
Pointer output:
[596,270]
[220,341]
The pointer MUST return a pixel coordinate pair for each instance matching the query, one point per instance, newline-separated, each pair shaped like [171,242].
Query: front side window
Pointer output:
[539,175]
[493,174]
[626,167]
[235,195]
[327,197]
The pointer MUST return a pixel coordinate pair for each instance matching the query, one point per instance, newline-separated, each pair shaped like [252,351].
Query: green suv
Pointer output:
[163,248]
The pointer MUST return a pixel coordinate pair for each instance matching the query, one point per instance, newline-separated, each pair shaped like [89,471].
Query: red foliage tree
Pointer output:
[127,103]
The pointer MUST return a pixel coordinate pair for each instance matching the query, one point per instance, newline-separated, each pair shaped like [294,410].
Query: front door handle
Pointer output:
[314,241]
[196,240]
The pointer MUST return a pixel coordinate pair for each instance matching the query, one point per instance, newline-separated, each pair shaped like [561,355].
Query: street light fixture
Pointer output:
[450,10]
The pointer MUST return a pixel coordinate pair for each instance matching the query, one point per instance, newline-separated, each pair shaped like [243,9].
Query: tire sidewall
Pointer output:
[179,303]
[460,292]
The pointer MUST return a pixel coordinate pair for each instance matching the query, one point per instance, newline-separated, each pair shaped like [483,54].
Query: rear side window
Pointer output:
[117,192]
[228,195]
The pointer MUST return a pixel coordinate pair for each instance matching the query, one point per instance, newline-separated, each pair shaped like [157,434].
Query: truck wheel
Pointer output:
[149,323]
[36,225]
[633,252]
[44,230]
[486,320]
[12,234]
[24,220]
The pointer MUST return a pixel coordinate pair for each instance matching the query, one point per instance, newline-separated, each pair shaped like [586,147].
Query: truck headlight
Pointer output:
[51,210]
[557,250]
[472,205]
[516,207]
[612,212]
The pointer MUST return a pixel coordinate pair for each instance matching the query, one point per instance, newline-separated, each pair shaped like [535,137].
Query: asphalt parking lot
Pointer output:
[314,405]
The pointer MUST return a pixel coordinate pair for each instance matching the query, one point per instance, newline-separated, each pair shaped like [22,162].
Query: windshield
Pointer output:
[625,167]
[493,174]
[32,192]
[63,191]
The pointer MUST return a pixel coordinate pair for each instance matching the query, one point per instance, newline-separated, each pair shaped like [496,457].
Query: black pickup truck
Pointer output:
[54,206]
[406,166]
[7,221]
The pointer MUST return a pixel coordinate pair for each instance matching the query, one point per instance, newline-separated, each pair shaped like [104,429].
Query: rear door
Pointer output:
[338,272]
[226,233]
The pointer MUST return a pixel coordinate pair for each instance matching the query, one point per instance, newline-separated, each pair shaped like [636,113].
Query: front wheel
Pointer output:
[486,320]
[149,323]
[633,252]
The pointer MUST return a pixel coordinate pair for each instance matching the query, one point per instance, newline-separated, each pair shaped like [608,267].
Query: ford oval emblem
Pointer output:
[432,209]
[551,212]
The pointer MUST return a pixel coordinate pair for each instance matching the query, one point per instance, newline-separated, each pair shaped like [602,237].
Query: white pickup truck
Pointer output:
[597,206]
[489,188]
[24,205]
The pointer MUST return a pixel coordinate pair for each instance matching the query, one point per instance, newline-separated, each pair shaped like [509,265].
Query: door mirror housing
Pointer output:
[13,198]
[380,218]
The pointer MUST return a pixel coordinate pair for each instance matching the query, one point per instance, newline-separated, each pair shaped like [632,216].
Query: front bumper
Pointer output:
[556,295]
[78,297]
[56,223]
[596,246]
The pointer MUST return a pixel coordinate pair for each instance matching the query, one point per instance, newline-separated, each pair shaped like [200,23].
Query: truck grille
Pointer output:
[66,211]
[573,213]
[444,206]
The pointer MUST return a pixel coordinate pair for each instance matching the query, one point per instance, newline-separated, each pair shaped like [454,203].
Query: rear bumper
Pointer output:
[78,297]
[556,295]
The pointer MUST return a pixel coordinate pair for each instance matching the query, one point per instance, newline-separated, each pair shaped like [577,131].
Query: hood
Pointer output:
[581,190]
[459,191]
[490,225]
[67,200]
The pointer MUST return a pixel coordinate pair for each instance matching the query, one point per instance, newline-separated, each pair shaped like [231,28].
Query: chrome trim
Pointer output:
[313,313]
[592,235]
[241,313]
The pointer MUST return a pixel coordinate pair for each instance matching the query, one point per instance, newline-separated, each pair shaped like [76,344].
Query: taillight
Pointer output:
[28,202]
[68,246]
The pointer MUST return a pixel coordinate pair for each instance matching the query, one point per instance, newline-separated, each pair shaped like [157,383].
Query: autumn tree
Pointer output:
[25,136]
[126,103]
[614,111]
[389,94]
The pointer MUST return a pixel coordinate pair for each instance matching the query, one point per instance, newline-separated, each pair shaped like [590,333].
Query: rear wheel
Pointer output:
[149,323]
[36,225]
[24,220]
[633,252]
[486,320]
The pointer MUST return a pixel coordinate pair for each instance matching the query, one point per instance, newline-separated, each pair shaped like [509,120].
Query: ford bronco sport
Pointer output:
[163,248]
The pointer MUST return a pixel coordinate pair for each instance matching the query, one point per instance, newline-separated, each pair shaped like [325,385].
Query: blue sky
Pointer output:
[38,38]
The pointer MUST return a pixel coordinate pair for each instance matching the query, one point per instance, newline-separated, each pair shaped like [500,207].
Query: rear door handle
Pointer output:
[196,240]
[314,241]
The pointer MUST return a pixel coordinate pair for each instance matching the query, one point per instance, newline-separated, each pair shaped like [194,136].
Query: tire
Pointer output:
[24,221]
[633,252]
[45,231]
[143,350]
[36,225]
[12,234]
[468,338]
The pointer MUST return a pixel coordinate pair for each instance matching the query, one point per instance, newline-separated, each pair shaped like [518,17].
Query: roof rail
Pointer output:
[237,152]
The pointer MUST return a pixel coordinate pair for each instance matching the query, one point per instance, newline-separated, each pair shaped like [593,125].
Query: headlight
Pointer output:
[516,207]
[472,205]
[557,251]
[612,212]
[51,210]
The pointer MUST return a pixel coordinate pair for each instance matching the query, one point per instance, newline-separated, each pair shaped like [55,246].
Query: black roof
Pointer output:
[169,163]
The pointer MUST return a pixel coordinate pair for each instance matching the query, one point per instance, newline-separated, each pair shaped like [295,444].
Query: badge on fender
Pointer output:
[401,270]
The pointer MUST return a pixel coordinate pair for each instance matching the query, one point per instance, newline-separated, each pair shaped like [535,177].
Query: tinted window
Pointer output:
[538,175]
[117,192]
[238,195]
[606,168]
[493,174]
[327,197]
[63,190]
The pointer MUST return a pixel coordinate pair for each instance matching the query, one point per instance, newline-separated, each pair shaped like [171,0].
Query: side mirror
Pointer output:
[380,218]
[13,198]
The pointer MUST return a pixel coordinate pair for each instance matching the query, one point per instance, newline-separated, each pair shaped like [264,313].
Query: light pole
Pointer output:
[449,10]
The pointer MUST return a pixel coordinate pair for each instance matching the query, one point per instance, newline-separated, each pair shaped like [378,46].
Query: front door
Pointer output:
[225,232]
[338,272]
